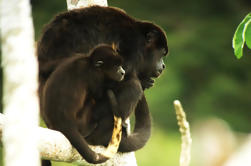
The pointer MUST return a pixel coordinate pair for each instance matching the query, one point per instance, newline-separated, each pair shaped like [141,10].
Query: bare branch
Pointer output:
[53,145]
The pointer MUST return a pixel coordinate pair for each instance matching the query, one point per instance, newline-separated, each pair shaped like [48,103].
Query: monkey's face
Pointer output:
[154,52]
[107,60]
[158,64]
[155,49]
[112,71]
[153,67]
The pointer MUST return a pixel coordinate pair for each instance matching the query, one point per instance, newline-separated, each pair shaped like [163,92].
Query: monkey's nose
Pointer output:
[163,66]
[122,72]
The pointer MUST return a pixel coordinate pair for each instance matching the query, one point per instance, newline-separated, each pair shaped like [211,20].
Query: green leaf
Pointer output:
[239,37]
[248,33]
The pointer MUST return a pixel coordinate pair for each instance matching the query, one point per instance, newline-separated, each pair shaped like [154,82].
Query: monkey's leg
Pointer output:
[103,132]
[77,140]
[84,118]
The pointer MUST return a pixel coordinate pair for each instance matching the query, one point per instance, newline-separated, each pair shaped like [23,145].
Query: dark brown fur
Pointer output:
[141,44]
[71,91]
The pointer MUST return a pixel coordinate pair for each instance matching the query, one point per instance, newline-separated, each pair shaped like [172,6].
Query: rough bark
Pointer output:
[53,145]
[20,101]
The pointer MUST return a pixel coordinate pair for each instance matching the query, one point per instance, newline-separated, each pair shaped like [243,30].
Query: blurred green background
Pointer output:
[202,71]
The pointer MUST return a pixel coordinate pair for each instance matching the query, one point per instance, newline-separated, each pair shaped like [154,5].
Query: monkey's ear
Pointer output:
[99,63]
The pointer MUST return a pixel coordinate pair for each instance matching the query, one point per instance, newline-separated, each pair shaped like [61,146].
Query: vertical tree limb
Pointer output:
[20,101]
[74,4]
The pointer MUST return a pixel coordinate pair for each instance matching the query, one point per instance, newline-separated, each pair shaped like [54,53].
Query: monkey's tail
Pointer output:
[142,129]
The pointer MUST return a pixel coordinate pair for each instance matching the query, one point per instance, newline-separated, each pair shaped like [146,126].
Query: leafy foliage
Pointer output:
[242,34]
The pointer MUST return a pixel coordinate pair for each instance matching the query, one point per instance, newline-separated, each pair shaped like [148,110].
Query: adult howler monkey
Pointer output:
[142,46]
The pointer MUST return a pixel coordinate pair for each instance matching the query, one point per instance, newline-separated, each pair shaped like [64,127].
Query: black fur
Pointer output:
[142,46]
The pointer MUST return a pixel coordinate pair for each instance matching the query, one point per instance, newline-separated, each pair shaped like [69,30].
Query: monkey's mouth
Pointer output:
[158,73]
[149,82]
[121,78]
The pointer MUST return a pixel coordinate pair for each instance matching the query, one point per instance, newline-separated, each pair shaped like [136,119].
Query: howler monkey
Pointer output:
[71,91]
[142,46]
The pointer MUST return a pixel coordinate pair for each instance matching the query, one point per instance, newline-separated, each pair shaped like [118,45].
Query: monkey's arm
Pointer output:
[127,98]
[142,130]
[128,95]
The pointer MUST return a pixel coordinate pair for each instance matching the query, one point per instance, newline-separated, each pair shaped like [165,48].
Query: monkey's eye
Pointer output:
[99,63]
[118,50]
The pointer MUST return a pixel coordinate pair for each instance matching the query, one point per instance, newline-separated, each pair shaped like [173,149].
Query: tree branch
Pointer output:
[53,145]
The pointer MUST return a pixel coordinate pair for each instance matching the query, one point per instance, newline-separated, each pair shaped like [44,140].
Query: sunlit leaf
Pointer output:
[239,37]
[248,34]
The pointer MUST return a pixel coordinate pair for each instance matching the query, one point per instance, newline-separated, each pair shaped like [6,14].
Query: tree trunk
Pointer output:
[20,101]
